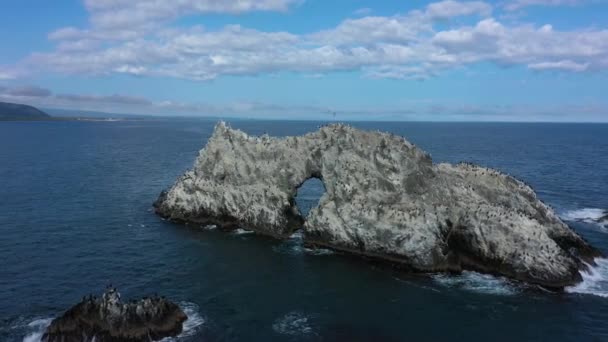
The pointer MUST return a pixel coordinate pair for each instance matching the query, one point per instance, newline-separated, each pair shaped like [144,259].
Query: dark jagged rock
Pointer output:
[384,199]
[108,319]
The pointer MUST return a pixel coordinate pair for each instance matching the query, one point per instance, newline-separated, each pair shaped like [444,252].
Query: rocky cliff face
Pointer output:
[107,319]
[384,199]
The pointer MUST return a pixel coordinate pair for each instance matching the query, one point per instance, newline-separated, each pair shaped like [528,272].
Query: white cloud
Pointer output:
[371,30]
[414,45]
[542,47]
[125,20]
[233,37]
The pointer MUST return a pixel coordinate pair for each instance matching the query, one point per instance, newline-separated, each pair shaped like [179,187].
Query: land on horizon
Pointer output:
[24,112]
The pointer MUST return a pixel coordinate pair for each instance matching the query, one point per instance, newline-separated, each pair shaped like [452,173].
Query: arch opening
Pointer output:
[308,195]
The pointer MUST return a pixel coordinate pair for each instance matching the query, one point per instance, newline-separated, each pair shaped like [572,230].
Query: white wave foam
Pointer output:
[587,215]
[194,321]
[295,246]
[297,235]
[318,251]
[241,231]
[293,324]
[299,250]
[477,282]
[595,281]
[35,329]
[33,337]
[43,322]
[192,325]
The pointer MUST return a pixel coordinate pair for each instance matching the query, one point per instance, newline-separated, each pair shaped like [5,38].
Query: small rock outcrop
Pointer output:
[108,319]
[384,199]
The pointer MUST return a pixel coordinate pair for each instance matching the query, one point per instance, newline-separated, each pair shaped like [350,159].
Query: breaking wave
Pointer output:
[477,282]
[293,324]
[35,329]
[241,231]
[587,215]
[194,322]
[295,246]
[293,249]
[595,281]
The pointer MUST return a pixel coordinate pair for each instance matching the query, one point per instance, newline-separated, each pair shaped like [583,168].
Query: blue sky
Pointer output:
[511,60]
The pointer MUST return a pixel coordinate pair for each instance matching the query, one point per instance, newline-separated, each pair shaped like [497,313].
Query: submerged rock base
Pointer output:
[107,319]
[384,199]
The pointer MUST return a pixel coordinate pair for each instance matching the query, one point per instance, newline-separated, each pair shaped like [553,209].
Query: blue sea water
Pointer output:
[75,216]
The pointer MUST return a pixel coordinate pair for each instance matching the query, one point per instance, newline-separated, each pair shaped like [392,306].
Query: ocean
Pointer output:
[76,215]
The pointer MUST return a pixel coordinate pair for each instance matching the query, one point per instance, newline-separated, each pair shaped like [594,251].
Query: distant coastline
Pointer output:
[9,113]
[21,112]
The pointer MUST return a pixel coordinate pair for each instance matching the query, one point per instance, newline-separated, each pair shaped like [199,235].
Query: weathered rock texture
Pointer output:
[384,198]
[107,319]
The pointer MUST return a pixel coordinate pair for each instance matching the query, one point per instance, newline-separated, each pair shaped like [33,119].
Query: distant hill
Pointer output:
[20,112]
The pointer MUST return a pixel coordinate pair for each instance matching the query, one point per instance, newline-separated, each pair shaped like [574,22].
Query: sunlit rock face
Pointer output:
[384,198]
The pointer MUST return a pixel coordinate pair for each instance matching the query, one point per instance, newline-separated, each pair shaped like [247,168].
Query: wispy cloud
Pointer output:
[560,65]
[519,4]
[7,74]
[450,9]
[363,11]
[27,91]
[113,99]
[415,110]
[116,14]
